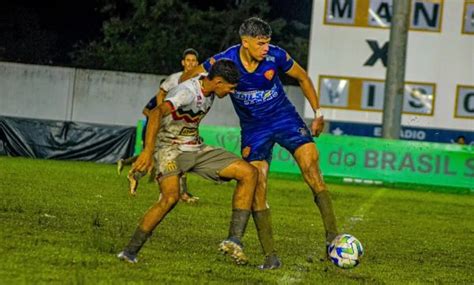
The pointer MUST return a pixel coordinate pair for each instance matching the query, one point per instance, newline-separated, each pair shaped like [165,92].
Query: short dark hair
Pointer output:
[190,51]
[255,27]
[226,69]
[461,137]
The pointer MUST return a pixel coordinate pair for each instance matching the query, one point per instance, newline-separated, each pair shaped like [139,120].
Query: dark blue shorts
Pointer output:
[290,132]
[145,125]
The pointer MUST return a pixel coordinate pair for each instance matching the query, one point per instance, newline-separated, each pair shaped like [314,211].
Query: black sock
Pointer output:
[323,201]
[130,160]
[238,223]
[183,184]
[263,223]
[137,241]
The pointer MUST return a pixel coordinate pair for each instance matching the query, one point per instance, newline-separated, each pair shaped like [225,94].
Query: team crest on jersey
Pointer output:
[269,74]
[171,166]
[303,131]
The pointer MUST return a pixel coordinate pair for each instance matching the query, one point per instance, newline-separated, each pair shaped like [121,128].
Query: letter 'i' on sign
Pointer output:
[468,23]
[372,95]
[340,11]
[426,15]
[465,102]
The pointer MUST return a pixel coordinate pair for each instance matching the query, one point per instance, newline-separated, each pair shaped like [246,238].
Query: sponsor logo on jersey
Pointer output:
[189,132]
[256,96]
[269,74]
[270,58]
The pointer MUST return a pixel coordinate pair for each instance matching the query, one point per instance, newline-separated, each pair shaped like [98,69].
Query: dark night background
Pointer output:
[52,32]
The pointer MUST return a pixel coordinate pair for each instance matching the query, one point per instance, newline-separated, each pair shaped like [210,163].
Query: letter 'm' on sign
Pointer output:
[340,11]
[426,15]
[465,102]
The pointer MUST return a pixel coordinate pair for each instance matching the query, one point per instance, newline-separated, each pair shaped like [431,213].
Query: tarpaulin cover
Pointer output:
[65,140]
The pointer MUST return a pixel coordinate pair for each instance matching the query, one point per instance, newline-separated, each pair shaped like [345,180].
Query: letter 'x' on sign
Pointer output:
[377,53]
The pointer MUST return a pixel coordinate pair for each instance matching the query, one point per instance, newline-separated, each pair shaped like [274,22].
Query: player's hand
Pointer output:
[317,126]
[144,162]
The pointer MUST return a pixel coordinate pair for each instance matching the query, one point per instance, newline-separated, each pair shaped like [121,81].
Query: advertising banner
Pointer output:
[371,160]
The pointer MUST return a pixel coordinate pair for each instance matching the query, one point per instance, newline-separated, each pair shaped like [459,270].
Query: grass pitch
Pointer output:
[64,222]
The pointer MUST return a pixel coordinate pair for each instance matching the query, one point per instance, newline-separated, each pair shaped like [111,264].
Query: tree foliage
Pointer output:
[23,40]
[149,35]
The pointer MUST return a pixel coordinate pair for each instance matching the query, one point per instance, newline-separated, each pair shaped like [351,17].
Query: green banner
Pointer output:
[139,143]
[367,161]
[371,160]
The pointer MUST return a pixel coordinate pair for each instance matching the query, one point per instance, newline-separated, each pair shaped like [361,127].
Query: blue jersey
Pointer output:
[259,94]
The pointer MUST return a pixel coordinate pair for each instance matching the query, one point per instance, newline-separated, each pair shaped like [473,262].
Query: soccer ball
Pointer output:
[345,251]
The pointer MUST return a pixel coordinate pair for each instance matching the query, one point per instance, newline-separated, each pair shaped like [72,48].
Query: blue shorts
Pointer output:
[290,133]
[145,125]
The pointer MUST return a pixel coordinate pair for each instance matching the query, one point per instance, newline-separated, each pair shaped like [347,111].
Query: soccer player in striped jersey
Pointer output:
[173,141]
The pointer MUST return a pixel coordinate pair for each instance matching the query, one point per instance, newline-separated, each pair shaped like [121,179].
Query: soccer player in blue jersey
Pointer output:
[267,117]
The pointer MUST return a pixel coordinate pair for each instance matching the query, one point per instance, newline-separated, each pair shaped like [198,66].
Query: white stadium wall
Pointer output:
[110,97]
[349,43]
[35,91]
[70,94]
[93,96]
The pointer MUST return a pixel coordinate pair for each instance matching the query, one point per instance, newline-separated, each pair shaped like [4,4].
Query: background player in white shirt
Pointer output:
[188,62]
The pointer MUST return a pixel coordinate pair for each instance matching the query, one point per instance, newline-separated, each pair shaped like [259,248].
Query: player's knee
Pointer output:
[169,199]
[247,173]
[251,173]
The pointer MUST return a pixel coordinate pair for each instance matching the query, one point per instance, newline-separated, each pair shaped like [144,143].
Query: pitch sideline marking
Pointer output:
[358,215]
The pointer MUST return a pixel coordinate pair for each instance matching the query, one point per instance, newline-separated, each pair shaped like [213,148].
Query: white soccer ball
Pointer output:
[345,251]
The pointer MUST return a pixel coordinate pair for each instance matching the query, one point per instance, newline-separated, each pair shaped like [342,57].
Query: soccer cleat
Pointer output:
[326,255]
[125,256]
[132,182]
[188,198]
[235,250]
[271,262]
[119,166]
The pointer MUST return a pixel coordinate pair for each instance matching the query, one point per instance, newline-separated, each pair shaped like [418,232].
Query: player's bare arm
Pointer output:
[160,96]
[145,160]
[192,73]
[146,112]
[298,73]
